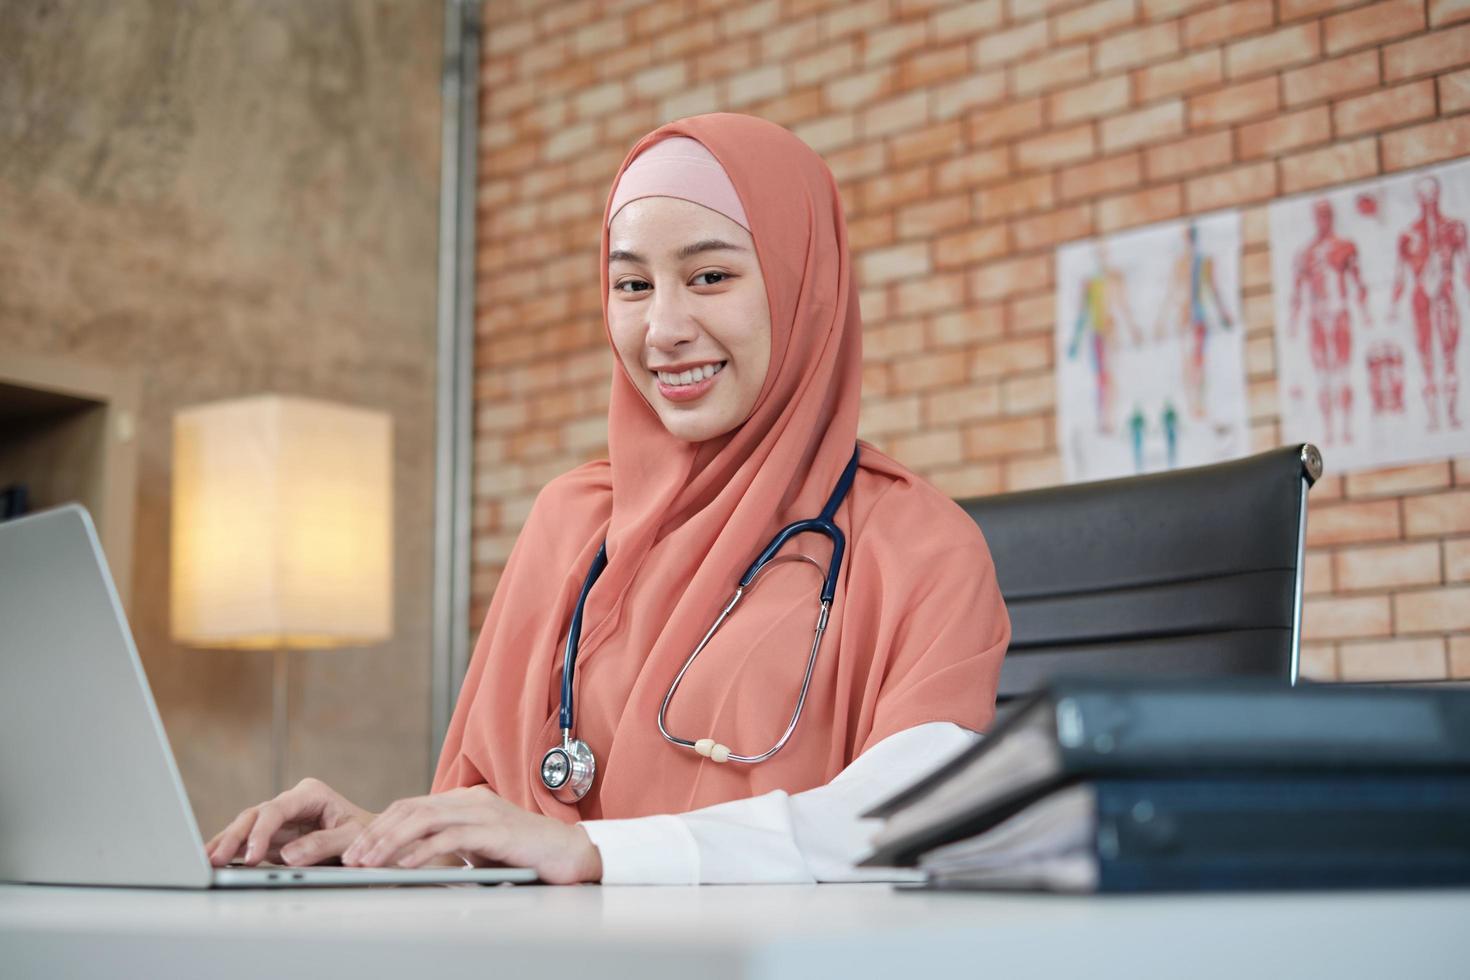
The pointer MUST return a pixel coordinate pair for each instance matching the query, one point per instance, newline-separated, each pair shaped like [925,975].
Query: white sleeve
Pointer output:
[778,837]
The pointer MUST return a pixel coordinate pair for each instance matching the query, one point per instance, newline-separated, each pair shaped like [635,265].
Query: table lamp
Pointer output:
[282,532]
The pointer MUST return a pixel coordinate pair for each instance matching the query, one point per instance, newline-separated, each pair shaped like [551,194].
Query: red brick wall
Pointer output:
[970,139]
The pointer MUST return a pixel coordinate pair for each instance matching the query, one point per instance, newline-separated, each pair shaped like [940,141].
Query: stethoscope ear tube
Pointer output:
[574,636]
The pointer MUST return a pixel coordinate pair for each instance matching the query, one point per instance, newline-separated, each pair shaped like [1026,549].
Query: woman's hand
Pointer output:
[476,824]
[310,823]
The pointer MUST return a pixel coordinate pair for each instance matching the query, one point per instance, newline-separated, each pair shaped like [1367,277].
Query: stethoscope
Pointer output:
[569,768]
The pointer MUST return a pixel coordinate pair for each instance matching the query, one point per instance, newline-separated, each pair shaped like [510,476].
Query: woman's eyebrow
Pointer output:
[694,248]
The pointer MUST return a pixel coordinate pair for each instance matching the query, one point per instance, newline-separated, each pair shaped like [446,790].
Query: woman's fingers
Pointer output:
[226,844]
[321,845]
[452,840]
[301,803]
[385,842]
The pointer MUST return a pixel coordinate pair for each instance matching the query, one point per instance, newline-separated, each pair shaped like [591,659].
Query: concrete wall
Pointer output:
[970,138]
[236,197]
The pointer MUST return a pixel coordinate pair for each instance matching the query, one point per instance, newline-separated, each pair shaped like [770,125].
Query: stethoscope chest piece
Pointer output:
[568,769]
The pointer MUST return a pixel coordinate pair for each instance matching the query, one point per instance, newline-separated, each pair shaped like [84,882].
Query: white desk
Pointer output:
[715,932]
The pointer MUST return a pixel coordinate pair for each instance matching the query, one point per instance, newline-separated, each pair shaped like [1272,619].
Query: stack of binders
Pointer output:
[1126,785]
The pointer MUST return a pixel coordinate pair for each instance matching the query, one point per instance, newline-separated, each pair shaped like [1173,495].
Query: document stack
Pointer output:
[1115,785]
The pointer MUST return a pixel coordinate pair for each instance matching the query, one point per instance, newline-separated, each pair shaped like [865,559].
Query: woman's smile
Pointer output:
[687,384]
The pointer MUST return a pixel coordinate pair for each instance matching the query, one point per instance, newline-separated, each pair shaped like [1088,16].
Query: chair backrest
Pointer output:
[1195,571]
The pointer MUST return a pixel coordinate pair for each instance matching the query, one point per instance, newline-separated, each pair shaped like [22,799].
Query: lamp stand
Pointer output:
[279,707]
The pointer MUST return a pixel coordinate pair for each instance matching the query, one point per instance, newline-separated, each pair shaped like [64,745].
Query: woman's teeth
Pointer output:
[691,376]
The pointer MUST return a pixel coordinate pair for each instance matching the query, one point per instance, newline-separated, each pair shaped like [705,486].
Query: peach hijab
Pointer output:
[918,628]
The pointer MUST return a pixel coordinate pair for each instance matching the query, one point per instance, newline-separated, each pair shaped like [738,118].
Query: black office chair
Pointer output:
[1193,572]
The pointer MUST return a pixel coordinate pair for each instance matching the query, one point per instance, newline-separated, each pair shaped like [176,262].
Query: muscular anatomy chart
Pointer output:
[1371,284]
[1150,361]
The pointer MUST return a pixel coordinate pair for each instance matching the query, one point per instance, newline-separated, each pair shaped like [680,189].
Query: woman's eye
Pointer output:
[631,286]
[710,278]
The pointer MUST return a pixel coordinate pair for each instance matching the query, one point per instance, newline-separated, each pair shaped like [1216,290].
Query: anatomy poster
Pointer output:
[1150,357]
[1371,284]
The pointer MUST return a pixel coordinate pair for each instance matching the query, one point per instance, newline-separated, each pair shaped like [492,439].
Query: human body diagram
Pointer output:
[1429,252]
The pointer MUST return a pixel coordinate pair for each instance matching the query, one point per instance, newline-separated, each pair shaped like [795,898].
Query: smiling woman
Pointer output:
[732,313]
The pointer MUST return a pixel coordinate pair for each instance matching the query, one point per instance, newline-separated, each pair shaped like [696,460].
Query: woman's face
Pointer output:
[688,314]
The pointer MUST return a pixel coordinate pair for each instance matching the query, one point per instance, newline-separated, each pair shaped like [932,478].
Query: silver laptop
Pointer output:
[89,790]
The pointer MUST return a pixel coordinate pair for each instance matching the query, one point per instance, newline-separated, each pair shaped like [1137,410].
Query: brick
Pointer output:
[968,247]
[1016,197]
[852,91]
[1460,657]
[884,265]
[1283,48]
[856,162]
[894,339]
[659,81]
[1329,79]
[1240,185]
[829,61]
[929,371]
[1454,92]
[930,217]
[1385,109]
[1011,356]
[999,280]
[1052,228]
[1399,480]
[1428,143]
[753,85]
[943,140]
[1179,76]
[1139,46]
[1029,394]
[1318,662]
[1393,660]
[1457,560]
[967,480]
[1292,9]
[1433,52]
[1372,24]
[971,169]
[1089,101]
[828,133]
[1056,148]
[891,189]
[1165,9]
[1093,18]
[792,108]
[1030,314]
[1325,618]
[1055,68]
[1387,567]
[966,327]
[991,440]
[1031,472]
[1437,514]
[864,234]
[1101,177]
[1443,12]
[970,403]
[1014,119]
[998,47]
[1433,610]
[780,43]
[748,19]
[1287,132]
[894,115]
[1317,575]
[926,449]
[1336,164]
[853,16]
[1246,100]
[1143,126]
[890,43]
[1226,21]
[965,20]
[1352,523]
[938,292]
[956,98]
[932,66]
[1188,156]
[1139,208]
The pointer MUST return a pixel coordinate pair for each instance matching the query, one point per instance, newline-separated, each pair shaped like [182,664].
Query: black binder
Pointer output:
[1107,728]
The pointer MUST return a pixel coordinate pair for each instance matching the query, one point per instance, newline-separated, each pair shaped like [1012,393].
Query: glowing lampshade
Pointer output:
[282,524]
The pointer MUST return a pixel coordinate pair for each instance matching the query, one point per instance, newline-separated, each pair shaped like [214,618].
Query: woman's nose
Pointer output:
[670,322]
